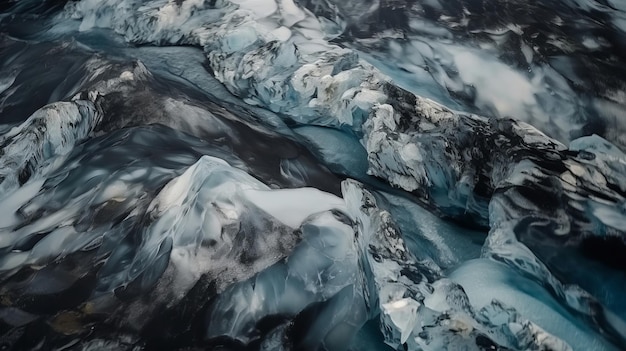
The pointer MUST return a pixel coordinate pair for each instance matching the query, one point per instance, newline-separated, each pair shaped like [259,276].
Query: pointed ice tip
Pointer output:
[350,184]
[352,192]
[174,193]
[403,314]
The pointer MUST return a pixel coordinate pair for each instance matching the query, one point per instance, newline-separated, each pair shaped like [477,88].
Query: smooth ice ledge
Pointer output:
[293,206]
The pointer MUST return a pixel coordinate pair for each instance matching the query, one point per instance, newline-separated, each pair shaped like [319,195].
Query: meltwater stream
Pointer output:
[312,175]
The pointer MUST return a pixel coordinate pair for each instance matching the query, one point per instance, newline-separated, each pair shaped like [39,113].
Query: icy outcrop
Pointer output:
[111,93]
[212,225]
[312,81]
[421,309]
[276,57]
[352,267]
[452,160]
[37,145]
[100,181]
[539,193]
[322,269]
[59,233]
[203,221]
[85,219]
[29,150]
[540,64]
[315,82]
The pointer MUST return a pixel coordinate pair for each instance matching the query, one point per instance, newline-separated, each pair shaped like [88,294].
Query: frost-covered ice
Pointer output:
[312,175]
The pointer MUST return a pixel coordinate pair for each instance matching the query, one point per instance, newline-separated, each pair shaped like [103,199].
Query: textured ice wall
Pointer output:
[535,194]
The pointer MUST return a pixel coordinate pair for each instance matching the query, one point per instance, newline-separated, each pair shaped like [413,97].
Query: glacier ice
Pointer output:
[447,244]
[529,298]
[418,306]
[321,267]
[507,187]
[311,175]
[52,131]
[504,59]
[367,263]
[239,48]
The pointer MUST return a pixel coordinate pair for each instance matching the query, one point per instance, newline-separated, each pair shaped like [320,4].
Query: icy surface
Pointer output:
[418,306]
[312,175]
[322,267]
[554,65]
[531,190]
[485,280]
[30,148]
